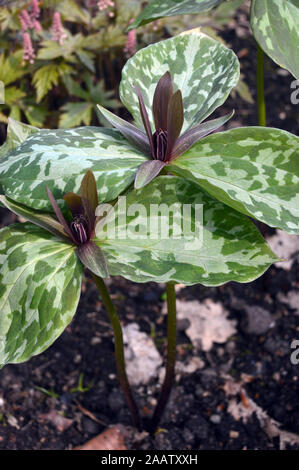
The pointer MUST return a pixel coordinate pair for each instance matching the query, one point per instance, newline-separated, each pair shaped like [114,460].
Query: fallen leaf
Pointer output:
[208,322]
[111,439]
[142,357]
[60,422]
[285,246]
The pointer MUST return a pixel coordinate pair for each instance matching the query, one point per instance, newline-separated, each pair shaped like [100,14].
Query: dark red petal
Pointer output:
[74,203]
[162,96]
[147,172]
[130,132]
[89,195]
[189,138]
[175,120]
[59,215]
[93,258]
[145,119]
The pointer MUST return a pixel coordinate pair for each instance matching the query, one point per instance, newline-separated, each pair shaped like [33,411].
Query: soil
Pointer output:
[199,415]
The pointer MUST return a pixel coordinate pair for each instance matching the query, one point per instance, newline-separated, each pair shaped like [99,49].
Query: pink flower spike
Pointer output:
[130,47]
[28,49]
[25,20]
[35,9]
[58,33]
[104,4]
[37,26]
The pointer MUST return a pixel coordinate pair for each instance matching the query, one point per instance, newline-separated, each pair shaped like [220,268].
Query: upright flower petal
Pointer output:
[145,119]
[134,135]
[175,120]
[60,216]
[89,196]
[162,95]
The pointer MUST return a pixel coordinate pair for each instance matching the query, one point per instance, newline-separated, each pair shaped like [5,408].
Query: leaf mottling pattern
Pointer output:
[232,247]
[59,159]
[203,69]
[275,25]
[40,284]
[254,170]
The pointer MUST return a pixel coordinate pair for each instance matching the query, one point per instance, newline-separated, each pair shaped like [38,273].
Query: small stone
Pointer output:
[95,340]
[12,421]
[258,321]
[152,401]
[77,359]
[215,419]
[276,376]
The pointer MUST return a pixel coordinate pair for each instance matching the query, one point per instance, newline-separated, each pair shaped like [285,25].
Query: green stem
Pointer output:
[171,357]
[119,351]
[261,105]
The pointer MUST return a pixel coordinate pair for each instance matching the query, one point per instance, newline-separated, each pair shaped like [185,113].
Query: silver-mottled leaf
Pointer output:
[231,248]
[40,285]
[252,169]
[275,25]
[202,68]
[59,159]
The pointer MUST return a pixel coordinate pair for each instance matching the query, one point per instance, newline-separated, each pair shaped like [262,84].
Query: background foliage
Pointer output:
[66,80]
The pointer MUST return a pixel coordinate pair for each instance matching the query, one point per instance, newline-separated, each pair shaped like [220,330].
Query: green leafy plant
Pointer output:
[50,83]
[249,171]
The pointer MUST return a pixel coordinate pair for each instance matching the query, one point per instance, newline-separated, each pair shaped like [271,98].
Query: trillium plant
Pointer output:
[73,186]
[165,144]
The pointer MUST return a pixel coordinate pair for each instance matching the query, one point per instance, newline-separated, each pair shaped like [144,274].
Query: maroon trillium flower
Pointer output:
[164,144]
[81,229]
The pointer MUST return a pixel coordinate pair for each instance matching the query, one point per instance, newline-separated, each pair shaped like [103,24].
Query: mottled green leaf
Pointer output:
[252,169]
[60,158]
[40,284]
[160,8]
[231,249]
[203,69]
[17,132]
[275,25]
